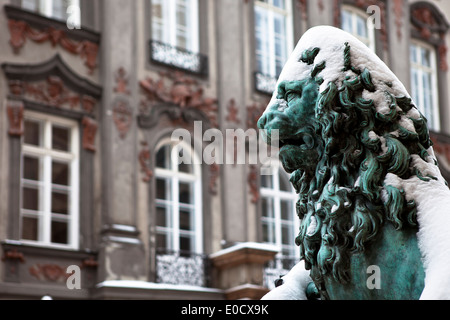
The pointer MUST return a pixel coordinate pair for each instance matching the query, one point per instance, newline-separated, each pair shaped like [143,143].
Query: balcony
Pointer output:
[182,268]
[165,54]
[265,83]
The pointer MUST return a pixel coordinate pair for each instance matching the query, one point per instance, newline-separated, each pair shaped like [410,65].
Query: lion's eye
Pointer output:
[290,94]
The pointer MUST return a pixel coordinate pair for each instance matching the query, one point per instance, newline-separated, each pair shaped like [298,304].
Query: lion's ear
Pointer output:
[308,56]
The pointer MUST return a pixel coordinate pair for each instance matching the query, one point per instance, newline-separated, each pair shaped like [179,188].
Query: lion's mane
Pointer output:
[345,201]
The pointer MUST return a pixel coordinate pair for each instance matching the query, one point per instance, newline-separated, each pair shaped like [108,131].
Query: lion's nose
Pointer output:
[262,121]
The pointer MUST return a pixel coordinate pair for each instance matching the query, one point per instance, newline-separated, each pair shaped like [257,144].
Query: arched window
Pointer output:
[356,22]
[178,199]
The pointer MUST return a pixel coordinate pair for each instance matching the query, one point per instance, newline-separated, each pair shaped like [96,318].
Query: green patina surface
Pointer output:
[339,149]
[400,269]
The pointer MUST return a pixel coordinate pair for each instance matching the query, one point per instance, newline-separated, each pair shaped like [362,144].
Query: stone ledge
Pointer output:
[246,291]
[243,253]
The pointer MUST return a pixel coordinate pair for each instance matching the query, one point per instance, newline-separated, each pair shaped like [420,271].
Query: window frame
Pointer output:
[169,36]
[277,196]
[271,11]
[73,218]
[434,123]
[45,8]
[197,207]
[355,12]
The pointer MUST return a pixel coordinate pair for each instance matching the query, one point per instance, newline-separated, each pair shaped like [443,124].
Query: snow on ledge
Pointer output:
[246,245]
[134,284]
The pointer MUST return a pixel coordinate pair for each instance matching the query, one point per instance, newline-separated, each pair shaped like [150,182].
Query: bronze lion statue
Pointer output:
[373,205]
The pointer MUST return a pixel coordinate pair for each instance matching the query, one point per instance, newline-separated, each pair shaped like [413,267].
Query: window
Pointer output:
[424,82]
[357,23]
[272,35]
[178,199]
[279,219]
[57,9]
[50,181]
[175,23]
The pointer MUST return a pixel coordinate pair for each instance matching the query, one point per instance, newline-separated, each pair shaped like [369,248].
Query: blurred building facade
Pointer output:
[91,93]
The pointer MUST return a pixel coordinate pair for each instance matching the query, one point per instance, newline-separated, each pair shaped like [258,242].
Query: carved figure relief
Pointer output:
[214,171]
[144,162]
[179,90]
[233,112]
[90,127]
[252,180]
[49,272]
[15,111]
[121,82]
[122,116]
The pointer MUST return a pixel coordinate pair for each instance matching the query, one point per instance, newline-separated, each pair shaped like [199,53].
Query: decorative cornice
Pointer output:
[51,84]
[25,25]
[53,67]
[41,22]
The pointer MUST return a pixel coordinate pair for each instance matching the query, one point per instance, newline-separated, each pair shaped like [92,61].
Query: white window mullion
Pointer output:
[277,208]
[74,225]
[194,26]
[46,7]
[271,37]
[175,216]
[172,26]
[198,223]
[434,92]
[47,189]
[175,202]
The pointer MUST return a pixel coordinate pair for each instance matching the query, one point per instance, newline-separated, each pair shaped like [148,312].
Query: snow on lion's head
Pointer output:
[348,132]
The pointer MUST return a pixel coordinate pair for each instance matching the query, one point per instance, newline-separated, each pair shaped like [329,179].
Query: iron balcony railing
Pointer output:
[182,268]
[277,268]
[179,58]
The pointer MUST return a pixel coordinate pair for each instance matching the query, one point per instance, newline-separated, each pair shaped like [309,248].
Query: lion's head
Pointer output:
[345,123]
